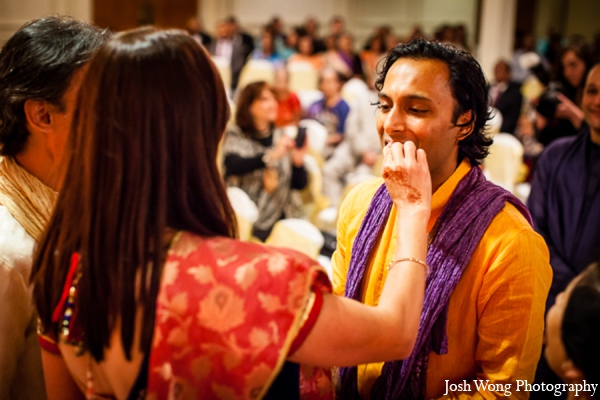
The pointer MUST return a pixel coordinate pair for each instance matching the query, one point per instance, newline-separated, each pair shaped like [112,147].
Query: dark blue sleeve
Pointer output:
[538,207]
[343,110]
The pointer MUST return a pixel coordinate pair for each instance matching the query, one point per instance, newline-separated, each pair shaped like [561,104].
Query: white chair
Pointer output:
[245,210]
[256,70]
[224,70]
[355,90]
[312,195]
[494,124]
[308,97]
[297,234]
[302,76]
[503,165]
[316,135]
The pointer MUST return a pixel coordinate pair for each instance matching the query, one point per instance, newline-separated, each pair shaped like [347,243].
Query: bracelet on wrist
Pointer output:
[416,260]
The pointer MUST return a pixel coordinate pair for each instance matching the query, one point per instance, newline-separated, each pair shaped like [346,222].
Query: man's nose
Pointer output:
[394,122]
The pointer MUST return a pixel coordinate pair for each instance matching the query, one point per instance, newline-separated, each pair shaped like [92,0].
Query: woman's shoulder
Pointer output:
[225,250]
[195,262]
[233,130]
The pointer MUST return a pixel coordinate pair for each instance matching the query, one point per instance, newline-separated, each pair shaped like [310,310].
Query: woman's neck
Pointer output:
[262,126]
[262,129]
[332,100]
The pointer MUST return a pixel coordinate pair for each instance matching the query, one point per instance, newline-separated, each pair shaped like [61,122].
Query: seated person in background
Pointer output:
[141,289]
[332,110]
[312,27]
[572,332]
[263,161]
[195,30]
[347,54]
[565,200]
[41,69]
[332,58]
[305,53]
[289,109]
[484,311]
[232,47]
[506,96]
[291,42]
[357,154]
[266,50]
[370,57]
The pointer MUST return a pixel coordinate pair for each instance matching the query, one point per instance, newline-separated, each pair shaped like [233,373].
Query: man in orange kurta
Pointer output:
[495,318]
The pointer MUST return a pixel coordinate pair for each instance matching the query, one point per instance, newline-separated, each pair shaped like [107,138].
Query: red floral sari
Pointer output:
[227,315]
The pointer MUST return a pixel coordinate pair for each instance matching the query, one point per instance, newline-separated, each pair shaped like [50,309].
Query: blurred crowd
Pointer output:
[323,75]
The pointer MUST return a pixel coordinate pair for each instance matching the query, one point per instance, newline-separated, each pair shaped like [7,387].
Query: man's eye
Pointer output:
[418,110]
[381,106]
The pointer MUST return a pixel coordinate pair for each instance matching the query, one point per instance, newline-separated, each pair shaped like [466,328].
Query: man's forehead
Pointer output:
[419,75]
[424,66]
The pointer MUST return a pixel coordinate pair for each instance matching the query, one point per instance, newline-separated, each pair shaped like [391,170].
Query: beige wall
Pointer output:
[584,18]
[581,17]
[14,13]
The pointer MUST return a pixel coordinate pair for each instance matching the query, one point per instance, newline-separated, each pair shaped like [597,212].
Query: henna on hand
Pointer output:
[401,190]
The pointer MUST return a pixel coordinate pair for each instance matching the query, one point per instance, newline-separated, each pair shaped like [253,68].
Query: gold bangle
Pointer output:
[396,261]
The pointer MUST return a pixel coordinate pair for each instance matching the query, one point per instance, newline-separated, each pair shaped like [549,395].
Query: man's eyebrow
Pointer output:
[418,97]
[410,96]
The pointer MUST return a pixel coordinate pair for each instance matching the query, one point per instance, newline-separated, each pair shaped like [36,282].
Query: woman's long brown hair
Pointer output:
[141,159]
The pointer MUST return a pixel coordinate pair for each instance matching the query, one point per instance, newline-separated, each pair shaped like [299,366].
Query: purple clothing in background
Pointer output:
[334,118]
[565,206]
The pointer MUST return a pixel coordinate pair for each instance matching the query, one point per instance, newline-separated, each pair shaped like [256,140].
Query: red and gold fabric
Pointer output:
[228,314]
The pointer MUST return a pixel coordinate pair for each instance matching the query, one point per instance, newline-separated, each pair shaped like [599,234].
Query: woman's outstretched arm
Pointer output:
[350,333]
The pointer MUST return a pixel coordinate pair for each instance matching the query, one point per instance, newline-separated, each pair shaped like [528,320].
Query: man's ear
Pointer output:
[38,115]
[571,372]
[466,130]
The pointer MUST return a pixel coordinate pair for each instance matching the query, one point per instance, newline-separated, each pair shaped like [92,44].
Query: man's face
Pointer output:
[330,84]
[416,104]
[573,68]
[501,72]
[591,102]
[223,30]
[62,120]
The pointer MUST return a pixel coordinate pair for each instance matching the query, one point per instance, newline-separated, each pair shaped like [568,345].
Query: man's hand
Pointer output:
[407,177]
[568,110]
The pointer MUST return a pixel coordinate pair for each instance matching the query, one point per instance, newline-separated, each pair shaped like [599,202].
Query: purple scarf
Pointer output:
[458,230]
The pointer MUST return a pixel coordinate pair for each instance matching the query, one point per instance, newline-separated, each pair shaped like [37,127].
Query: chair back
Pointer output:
[297,234]
[302,76]
[256,70]
[316,135]
[246,211]
[503,165]
[224,70]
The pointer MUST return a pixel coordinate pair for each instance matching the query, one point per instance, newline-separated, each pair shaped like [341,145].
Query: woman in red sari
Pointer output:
[142,289]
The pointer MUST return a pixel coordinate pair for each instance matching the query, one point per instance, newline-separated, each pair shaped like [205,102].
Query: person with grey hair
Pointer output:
[41,68]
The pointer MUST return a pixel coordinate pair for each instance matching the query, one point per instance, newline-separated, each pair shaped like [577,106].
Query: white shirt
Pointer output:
[21,375]
[224,49]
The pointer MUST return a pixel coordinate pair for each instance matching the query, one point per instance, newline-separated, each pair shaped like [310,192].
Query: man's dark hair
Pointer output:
[581,324]
[37,63]
[467,83]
